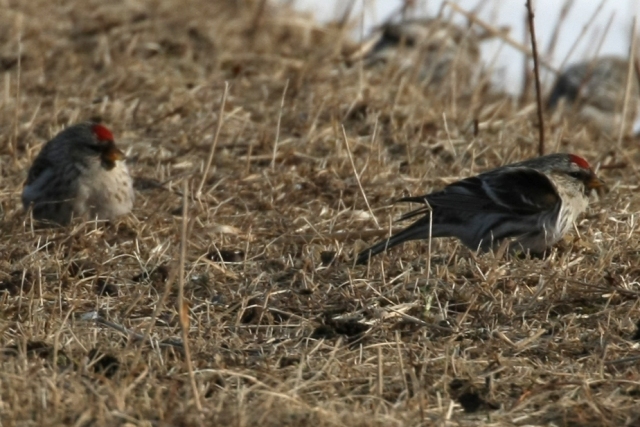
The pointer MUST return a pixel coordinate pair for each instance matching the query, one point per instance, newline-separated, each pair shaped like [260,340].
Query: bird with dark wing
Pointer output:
[532,203]
[79,173]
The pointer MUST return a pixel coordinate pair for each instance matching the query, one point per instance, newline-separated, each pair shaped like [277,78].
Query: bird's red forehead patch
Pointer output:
[102,133]
[579,161]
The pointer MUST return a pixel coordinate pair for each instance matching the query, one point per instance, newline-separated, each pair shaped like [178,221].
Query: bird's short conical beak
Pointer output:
[597,184]
[112,154]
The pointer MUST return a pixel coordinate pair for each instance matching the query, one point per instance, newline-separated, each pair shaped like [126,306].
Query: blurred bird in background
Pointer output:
[595,90]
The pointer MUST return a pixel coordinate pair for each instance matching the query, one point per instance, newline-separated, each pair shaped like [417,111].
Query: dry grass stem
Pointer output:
[214,143]
[228,296]
[562,17]
[17,111]
[277,138]
[500,34]
[536,72]
[583,32]
[631,74]
[183,306]
[357,176]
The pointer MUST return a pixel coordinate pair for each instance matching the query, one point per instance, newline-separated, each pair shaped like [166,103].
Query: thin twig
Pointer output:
[355,173]
[630,359]
[14,143]
[215,141]
[182,314]
[344,20]
[401,364]
[338,236]
[581,93]
[380,373]
[164,116]
[257,20]
[602,289]
[526,71]
[630,78]
[585,27]
[132,335]
[553,41]
[429,246]
[536,70]
[275,144]
[618,165]
[446,131]
[500,34]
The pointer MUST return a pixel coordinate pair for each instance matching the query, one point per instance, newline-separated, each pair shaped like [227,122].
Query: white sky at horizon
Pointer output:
[508,62]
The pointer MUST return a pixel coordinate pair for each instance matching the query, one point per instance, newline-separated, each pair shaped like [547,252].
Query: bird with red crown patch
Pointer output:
[79,173]
[532,204]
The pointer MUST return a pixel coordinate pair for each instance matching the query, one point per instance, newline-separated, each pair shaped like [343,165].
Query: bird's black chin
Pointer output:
[108,164]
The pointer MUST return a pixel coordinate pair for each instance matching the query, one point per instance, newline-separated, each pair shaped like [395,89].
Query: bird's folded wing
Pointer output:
[40,165]
[516,190]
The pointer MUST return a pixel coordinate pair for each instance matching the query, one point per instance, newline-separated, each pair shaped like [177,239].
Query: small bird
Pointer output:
[532,203]
[79,173]
[596,89]
[440,48]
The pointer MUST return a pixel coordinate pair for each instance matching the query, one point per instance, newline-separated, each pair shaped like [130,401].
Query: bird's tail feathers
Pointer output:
[416,231]
[414,199]
[420,211]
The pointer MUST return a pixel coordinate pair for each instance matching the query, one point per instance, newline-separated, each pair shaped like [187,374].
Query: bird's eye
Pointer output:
[577,174]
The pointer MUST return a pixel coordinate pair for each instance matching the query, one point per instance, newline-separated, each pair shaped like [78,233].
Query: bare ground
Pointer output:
[284,333]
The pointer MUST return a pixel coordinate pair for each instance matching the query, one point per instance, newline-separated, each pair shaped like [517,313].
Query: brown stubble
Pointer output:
[276,335]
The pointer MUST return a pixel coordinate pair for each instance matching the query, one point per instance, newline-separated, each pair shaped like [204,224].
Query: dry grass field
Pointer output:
[281,332]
